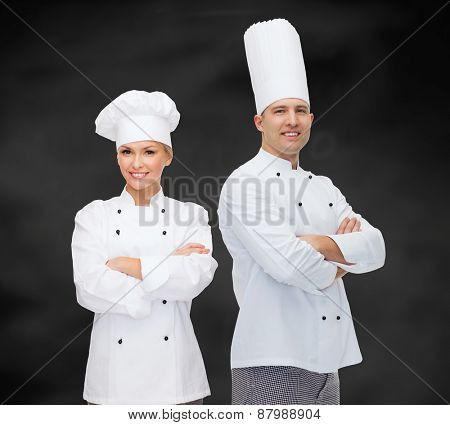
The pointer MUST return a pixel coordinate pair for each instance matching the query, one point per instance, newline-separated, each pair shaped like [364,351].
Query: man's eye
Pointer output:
[279,111]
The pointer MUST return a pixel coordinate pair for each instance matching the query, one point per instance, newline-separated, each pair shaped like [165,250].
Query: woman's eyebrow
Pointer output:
[152,146]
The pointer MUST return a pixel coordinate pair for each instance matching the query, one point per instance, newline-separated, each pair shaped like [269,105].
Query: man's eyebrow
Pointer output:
[284,107]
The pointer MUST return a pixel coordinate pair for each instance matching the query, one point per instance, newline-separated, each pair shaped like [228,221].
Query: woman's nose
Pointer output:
[137,162]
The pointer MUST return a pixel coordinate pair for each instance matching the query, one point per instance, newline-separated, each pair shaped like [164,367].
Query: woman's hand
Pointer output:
[340,272]
[127,265]
[192,248]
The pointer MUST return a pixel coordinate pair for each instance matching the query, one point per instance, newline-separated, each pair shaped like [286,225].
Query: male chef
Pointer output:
[292,236]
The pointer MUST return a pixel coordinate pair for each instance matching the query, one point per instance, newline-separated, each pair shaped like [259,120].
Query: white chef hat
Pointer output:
[138,115]
[275,60]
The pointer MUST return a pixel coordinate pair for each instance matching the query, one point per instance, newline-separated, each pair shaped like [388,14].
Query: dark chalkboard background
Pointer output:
[385,145]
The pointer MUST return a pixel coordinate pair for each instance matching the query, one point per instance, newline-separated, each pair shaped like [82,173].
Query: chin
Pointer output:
[138,185]
[291,149]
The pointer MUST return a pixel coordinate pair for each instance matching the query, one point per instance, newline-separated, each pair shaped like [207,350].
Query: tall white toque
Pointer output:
[136,116]
[275,60]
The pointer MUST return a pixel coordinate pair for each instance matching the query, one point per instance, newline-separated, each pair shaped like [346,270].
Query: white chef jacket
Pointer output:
[143,348]
[293,312]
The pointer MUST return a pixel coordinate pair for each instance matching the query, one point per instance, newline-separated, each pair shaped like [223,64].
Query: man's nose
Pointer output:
[292,119]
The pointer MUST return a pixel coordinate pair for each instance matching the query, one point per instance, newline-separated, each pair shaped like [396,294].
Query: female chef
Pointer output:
[139,259]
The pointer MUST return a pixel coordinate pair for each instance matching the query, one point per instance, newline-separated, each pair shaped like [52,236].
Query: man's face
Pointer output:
[285,126]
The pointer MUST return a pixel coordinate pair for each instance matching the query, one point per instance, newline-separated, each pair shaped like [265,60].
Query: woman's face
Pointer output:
[142,163]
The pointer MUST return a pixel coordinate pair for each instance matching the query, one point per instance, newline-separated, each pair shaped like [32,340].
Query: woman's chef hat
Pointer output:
[136,116]
[275,60]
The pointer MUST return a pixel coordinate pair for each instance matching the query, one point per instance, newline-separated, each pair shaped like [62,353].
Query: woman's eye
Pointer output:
[150,152]
[126,151]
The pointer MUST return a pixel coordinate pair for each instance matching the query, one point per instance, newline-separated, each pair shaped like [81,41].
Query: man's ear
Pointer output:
[312,117]
[258,120]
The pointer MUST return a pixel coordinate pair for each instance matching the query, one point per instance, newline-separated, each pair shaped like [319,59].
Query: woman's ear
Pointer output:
[169,159]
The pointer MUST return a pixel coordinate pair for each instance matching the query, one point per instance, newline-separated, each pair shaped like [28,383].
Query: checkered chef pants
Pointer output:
[283,385]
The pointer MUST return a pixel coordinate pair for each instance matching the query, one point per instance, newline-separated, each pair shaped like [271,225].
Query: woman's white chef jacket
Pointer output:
[293,312]
[143,348]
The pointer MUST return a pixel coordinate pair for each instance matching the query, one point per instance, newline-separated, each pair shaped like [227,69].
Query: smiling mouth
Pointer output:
[291,134]
[138,176]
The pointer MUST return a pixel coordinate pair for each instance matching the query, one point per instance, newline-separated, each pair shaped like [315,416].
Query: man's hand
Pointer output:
[328,248]
[127,265]
[349,225]
[192,248]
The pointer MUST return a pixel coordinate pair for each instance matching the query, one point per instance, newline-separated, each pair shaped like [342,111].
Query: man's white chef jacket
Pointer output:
[143,348]
[293,312]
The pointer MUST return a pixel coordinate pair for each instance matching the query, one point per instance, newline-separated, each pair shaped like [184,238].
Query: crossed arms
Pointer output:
[251,220]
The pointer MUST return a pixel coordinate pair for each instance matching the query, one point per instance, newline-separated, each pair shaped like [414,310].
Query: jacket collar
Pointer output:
[275,163]
[126,199]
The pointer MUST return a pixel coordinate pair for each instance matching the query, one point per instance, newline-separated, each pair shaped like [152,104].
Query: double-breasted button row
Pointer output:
[120,211]
[330,204]
[118,232]
[325,317]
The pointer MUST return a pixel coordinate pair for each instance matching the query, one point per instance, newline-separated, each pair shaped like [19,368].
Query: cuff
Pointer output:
[348,243]
[328,280]
[155,271]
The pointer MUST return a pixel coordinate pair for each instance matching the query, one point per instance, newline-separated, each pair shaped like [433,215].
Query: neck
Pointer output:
[292,158]
[142,196]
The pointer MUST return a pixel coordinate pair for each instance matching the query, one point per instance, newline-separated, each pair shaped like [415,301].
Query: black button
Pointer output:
[164,232]
[310,177]
[163,210]
[119,211]
[324,317]
[278,174]
[164,302]
[330,204]
[300,204]
[166,338]
[120,341]
[118,231]
[338,317]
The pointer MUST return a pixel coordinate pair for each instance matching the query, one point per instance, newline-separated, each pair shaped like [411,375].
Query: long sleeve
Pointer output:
[365,248]
[98,287]
[181,277]
[255,221]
